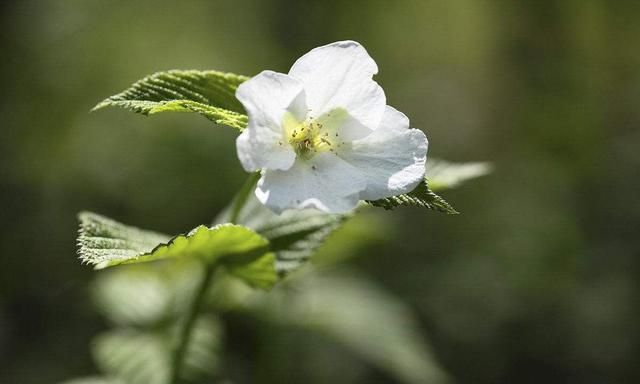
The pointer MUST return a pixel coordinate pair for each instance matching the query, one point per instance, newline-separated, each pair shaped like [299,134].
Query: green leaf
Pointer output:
[260,273]
[357,313]
[134,357]
[148,294]
[142,357]
[422,196]
[212,244]
[104,242]
[446,175]
[209,93]
[294,235]
[134,296]
[202,357]
[149,303]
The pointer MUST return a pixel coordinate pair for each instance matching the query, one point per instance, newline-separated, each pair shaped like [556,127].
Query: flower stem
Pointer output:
[187,328]
[242,196]
[194,309]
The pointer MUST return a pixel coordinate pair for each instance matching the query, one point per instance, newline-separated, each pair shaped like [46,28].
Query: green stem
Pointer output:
[187,328]
[242,196]
[194,309]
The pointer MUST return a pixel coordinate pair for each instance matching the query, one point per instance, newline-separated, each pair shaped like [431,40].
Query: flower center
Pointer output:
[309,137]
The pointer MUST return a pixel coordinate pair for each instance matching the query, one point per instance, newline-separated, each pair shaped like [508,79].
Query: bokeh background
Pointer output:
[537,280]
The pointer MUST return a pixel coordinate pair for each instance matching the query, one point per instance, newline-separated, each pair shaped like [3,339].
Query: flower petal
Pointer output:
[260,148]
[392,158]
[324,182]
[267,97]
[341,126]
[339,75]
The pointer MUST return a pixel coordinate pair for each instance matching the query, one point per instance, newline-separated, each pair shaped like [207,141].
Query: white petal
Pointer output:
[339,121]
[266,97]
[339,75]
[324,182]
[260,148]
[392,158]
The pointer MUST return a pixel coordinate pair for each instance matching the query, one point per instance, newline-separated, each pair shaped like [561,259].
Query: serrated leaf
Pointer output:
[294,235]
[212,244]
[355,312]
[208,93]
[104,242]
[443,174]
[422,196]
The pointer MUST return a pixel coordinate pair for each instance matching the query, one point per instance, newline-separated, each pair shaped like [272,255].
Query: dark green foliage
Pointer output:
[422,196]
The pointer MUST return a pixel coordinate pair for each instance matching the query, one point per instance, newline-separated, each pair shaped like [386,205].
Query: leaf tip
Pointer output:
[104,103]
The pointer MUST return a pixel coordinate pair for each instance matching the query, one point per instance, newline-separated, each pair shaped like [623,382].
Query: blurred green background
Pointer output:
[536,282]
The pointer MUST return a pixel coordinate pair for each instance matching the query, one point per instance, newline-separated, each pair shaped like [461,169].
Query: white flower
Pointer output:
[323,135]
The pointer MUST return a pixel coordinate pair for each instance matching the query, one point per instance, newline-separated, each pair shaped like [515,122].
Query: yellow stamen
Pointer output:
[307,137]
